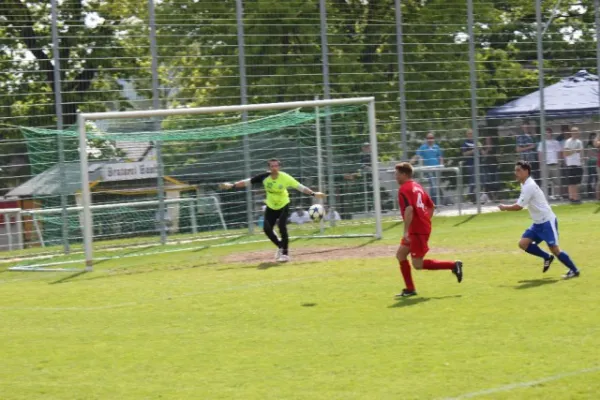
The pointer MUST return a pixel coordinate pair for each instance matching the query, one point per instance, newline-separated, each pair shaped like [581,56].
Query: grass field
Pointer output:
[192,325]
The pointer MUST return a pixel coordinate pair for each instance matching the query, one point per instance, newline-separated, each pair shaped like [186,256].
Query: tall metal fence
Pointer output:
[447,69]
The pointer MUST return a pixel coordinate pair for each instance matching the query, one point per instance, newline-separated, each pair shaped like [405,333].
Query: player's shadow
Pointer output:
[469,218]
[533,283]
[268,264]
[413,301]
[597,210]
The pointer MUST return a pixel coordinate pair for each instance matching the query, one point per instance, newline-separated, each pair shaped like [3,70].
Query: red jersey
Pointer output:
[412,194]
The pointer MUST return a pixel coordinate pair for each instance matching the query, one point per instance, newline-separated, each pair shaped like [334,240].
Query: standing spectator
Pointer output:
[332,215]
[299,216]
[260,222]
[365,157]
[552,160]
[565,134]
[468,151]
[430,155]
[573,151]
[526,149]
[592,162]
[490,177]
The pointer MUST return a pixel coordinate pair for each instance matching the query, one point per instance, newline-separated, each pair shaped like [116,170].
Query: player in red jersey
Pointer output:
[417,209]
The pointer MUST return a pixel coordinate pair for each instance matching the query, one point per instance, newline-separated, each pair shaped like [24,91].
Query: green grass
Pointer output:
[186,325]
[115,247]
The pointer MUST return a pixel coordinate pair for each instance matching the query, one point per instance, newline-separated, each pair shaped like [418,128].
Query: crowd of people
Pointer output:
[566,157]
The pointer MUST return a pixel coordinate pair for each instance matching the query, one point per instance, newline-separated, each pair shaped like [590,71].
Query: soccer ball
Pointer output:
[316,212]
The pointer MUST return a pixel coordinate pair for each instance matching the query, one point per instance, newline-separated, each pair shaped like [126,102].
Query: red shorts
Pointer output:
[418,244]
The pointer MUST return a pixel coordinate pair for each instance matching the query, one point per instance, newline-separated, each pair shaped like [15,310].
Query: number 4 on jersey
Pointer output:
[420,201]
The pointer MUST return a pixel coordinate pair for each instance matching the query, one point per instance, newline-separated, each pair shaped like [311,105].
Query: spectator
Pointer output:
[573,151]
[489,168]
[365,157]
[299,216]
[552,160]
[332,214]
[430,155]
[526,149]
[565,134]
[260,212]
[166,219]
[468,151]
[592,162]
[365,164]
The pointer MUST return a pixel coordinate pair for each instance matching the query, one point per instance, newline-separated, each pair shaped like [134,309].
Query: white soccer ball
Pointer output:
[316,212]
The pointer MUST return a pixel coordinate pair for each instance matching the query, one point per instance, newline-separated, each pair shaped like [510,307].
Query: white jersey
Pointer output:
[296,218]
[553,149]
[574,160]
[533,198]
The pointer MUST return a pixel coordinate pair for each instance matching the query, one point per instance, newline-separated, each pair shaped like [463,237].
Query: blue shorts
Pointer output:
[545,232]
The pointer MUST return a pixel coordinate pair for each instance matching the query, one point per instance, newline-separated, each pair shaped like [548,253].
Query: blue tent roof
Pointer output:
[574,96]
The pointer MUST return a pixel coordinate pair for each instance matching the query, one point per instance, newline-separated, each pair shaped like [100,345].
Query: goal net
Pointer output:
[141,177]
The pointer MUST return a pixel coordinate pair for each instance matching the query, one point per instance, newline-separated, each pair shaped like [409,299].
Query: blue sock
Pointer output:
[565,259]
[535,250]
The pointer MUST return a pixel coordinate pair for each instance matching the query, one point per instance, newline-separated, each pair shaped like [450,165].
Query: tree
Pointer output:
[96,46]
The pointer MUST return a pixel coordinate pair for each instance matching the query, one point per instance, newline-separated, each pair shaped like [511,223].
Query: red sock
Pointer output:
[405,269]
[437,264]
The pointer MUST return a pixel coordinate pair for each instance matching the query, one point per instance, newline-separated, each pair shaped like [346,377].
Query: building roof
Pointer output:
[48,183]
[574,96]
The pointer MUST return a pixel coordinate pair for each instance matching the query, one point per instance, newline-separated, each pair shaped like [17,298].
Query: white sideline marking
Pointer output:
[521,385]
[190,294]
[160,252]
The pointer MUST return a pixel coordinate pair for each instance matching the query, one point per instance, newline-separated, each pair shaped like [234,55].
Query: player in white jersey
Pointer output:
[545,223]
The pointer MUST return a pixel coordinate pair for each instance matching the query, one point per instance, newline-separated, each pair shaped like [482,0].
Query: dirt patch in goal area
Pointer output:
[320,254]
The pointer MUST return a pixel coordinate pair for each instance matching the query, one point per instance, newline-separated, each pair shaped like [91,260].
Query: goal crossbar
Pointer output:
[87,227]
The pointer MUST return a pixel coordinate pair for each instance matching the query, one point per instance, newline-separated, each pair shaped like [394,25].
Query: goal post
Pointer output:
[83,118]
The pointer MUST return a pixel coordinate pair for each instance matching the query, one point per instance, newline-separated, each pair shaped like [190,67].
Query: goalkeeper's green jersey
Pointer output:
[276,189]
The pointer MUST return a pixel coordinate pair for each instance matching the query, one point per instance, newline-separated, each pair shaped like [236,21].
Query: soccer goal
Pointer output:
[153,176]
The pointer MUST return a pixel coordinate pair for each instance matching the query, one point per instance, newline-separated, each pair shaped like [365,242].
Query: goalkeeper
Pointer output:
[276,184]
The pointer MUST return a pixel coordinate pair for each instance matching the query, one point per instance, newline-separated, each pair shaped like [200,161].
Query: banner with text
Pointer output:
[129,171]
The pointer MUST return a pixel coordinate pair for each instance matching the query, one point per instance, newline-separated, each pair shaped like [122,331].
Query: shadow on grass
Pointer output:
[69,277]
[127,253]
[597,210]
[469,218]
[208,246]
[392,226]
[267,265]
[413,301]
[368,242]
[533,283]
[117,273]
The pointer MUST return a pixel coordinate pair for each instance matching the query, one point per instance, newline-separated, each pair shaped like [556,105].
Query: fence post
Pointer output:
[239,8]
[473,85]
[59,126]
[401,83]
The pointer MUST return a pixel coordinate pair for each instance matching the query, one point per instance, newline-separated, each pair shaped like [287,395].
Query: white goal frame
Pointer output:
[82,118]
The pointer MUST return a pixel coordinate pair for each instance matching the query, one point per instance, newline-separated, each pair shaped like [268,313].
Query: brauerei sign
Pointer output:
[129,171]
